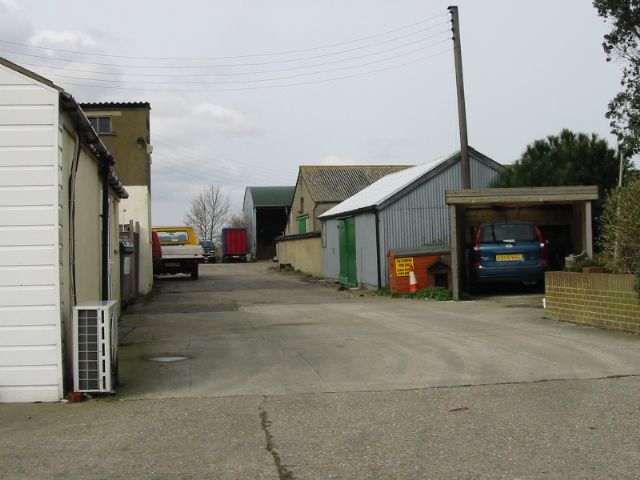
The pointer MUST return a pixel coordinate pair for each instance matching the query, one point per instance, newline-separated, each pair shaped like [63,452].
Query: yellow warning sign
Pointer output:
[402,266]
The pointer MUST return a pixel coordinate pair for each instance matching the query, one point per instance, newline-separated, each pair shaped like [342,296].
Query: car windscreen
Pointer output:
[508,233]
[174,236]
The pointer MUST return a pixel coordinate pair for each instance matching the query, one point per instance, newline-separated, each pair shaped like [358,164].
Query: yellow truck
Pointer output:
[180,250]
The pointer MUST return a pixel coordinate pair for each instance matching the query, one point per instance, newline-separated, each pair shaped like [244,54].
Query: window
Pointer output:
[101,124]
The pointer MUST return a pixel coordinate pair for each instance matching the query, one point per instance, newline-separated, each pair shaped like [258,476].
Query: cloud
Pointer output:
[14,24]
[202,121]
[335,160]
[224,120]
[65,40]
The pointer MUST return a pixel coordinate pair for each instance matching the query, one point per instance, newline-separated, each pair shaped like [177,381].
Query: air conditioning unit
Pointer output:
[95,347]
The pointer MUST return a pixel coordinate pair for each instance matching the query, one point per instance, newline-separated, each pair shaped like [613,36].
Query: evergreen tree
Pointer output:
[565,160]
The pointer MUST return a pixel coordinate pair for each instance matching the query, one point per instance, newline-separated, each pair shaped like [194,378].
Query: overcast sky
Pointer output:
[243,92]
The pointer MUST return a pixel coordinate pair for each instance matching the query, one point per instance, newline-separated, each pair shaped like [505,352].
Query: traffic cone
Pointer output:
[413,281]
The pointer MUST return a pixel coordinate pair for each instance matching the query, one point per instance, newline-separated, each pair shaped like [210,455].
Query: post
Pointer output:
[621,172]
[462,112]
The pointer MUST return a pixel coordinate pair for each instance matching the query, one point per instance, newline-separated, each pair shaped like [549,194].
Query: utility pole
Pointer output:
[462,111]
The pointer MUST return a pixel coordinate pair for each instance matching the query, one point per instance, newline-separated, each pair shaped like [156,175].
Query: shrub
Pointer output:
[620,227]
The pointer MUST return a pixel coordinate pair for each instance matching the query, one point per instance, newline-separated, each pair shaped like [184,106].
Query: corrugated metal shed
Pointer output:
[403,210]
[336,183]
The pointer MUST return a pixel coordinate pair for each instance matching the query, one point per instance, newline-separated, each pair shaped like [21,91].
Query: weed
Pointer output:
[439,294]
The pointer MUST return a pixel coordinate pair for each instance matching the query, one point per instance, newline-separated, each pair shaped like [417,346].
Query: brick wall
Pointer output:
[599,299]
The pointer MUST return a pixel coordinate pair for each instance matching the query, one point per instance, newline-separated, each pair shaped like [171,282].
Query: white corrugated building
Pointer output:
[53,254]
[403,210]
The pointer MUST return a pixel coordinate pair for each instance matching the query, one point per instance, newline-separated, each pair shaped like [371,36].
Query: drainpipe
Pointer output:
[105,170]
[377,220]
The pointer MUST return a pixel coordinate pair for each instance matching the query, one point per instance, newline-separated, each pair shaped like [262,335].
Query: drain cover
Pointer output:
[168,359]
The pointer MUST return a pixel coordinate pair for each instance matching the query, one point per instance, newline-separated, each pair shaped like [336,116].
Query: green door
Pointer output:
[347,233]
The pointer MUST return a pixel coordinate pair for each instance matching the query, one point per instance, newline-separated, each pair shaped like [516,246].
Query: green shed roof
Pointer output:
[271,196]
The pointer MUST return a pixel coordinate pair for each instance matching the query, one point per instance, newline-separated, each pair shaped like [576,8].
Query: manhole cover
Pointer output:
[168,359]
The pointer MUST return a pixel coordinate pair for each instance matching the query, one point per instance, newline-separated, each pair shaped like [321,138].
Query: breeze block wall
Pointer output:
[599,299]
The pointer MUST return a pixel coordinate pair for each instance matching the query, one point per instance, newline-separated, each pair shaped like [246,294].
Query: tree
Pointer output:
[209,212]
[620,225]
[622,43]
[238,220]
[565,160]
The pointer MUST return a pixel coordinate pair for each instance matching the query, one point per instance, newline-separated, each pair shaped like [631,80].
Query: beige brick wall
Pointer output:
[598,299]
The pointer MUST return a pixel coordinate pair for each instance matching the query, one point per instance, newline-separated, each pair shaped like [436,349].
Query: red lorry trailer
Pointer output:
[234,245]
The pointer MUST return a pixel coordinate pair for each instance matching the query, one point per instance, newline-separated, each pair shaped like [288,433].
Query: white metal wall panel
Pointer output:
[367,267]
[26,235]
[37,135]
[15,93]
[250,216]
[27,296]
[25,114]
[30,321]
[19,157]
[28,336]
[13,177]
[30,375]
[34,196]
[42,256]
[27,215]
[26,356]
[331,252]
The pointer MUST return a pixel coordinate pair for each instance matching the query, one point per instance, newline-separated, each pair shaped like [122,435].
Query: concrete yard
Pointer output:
[248,373]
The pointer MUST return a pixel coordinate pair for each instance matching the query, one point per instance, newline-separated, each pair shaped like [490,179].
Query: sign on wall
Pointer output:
[402,266]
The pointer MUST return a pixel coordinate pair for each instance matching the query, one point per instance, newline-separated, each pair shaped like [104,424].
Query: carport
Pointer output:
[562,213]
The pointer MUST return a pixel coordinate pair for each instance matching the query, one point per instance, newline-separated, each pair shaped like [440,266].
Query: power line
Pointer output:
[249,169]
[287,77]
[172,89]
[204,177]
[226,74]
[232,57]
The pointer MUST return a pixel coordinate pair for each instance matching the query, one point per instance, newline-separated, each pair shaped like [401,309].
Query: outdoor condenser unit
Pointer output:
[95,347]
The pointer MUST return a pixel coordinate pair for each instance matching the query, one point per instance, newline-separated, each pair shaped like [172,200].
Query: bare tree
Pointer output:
[237,219]
[209,212]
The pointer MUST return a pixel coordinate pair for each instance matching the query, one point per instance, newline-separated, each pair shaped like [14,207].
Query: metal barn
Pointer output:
[406,209]
[266,210]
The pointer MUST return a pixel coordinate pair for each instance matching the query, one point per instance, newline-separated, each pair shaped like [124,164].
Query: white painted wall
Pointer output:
[138,209]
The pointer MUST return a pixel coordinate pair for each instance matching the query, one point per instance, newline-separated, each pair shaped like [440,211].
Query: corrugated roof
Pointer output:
[111,105]
[271,196]
[385,188]
[339,182]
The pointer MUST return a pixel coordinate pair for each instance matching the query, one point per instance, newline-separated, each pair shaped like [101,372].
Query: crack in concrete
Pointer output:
[283,472]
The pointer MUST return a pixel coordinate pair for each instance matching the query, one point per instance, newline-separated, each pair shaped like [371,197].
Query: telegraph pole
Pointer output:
[462,111]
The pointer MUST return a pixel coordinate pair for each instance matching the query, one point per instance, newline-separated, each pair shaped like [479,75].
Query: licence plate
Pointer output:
[506,258]
[172,264]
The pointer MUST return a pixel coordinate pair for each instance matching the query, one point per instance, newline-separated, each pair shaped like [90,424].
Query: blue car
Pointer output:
[509,252]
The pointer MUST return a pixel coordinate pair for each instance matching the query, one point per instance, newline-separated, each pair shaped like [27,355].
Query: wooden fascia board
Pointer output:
[521,195]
